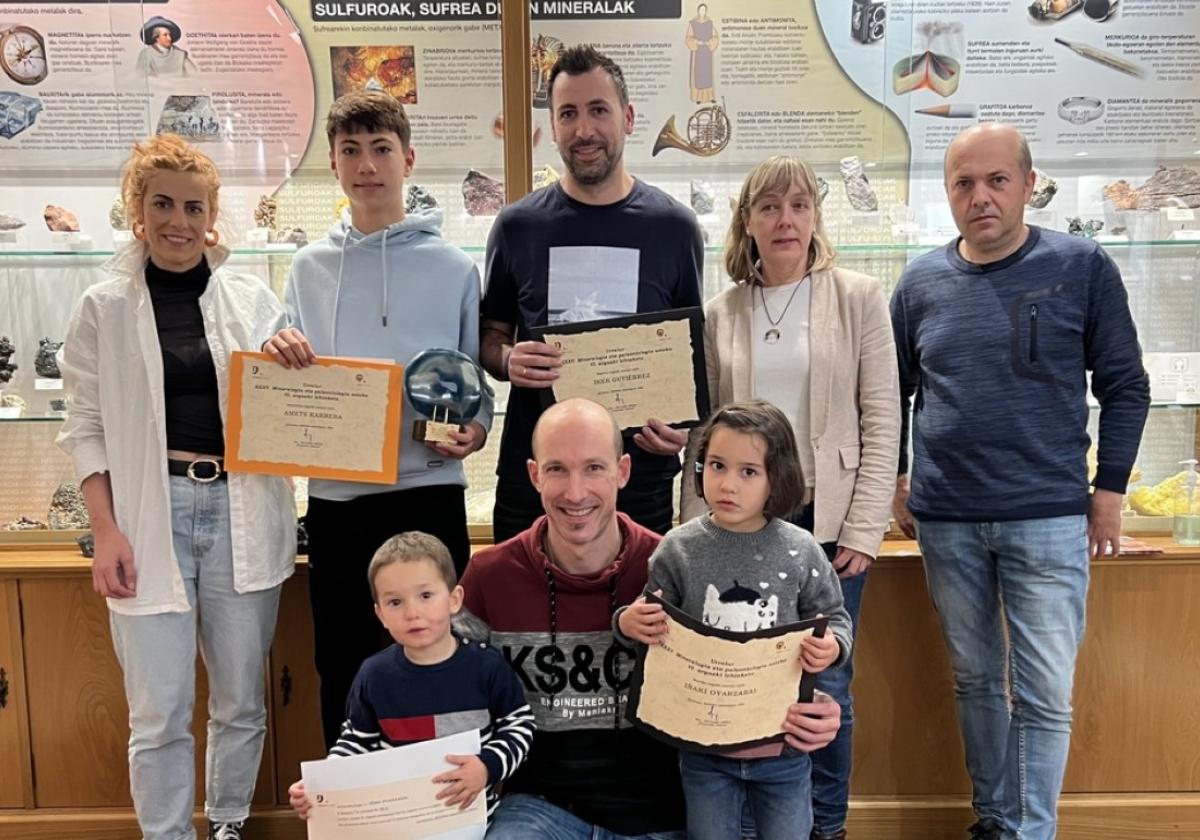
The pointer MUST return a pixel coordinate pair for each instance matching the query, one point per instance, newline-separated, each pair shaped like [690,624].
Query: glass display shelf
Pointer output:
[852,248]
[59,416]
[267,251]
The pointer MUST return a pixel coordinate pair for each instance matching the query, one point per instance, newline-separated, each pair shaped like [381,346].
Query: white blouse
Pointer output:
[111,364]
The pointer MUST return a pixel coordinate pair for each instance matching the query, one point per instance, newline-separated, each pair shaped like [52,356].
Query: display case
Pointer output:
[39,288]
[868,92]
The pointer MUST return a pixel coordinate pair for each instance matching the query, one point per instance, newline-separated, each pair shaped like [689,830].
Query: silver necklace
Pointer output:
[773,335]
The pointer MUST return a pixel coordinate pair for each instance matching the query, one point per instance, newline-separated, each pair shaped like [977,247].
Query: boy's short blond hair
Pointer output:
[409,547]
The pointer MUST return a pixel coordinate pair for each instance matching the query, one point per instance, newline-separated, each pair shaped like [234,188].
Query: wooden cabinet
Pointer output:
[78,718]
[16,782]
[1133,770]
[295,700]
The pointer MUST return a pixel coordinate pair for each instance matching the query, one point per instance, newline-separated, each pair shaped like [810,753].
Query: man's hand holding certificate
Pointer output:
[404,793]
[636,366]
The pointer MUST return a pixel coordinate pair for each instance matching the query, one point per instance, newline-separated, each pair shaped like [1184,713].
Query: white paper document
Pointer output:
[389,795]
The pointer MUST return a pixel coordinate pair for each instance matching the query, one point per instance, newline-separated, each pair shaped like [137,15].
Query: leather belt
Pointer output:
[202,470]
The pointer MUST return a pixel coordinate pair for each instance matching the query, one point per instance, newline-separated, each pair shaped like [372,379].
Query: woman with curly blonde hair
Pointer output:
[815,340]
[186,554]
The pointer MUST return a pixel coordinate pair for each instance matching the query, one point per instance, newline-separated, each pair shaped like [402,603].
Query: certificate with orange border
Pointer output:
[337,418]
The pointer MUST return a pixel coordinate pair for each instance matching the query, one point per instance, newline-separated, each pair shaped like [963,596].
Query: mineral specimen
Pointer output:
[1044,189]
[87,544]
[301,536]
[858,190]
[60,218]
[6,367]
[44,363]
[482,196]
[822,188]
[23,523]
[1088,230]
[9,222]
[266,212]
[116,215]
[12,401]
[702,197]
[291,236]
[1178,187]
[544,177]
[419,198]
[58,405]
[67,510]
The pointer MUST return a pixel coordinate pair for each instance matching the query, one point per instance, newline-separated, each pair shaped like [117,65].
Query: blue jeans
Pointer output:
[158,661]
[520,816]
[831,765]
[1035,571]
[778,791]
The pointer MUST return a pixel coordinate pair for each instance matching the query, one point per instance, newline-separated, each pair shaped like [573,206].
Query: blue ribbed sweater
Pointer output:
[996,356]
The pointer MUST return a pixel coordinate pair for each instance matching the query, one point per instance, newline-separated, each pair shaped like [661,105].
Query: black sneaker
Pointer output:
[225,831]
[840,834]
[982,830]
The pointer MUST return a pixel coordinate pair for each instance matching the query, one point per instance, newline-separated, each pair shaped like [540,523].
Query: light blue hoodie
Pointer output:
[389,295]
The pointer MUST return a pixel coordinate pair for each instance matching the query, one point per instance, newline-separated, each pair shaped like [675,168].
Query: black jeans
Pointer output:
[518,505]
[342,539]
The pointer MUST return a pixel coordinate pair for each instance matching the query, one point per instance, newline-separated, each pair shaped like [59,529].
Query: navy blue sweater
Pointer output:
[996,356]
[394,702]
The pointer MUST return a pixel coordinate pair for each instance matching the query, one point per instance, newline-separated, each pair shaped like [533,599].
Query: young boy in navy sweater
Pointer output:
[431,684]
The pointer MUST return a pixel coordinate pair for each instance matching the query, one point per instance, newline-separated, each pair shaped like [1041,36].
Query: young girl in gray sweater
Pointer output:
[743,566]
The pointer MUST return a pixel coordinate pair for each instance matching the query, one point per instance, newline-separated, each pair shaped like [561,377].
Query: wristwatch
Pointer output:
[1078,110]
[23,54]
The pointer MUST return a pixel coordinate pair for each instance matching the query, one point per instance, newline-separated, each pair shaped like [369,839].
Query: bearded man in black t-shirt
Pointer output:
[599,243]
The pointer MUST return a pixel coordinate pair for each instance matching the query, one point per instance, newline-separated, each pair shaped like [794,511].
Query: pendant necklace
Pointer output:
[772,335]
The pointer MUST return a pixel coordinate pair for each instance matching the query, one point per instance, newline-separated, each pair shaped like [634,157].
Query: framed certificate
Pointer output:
[337,418]
[637,366]
[710,690]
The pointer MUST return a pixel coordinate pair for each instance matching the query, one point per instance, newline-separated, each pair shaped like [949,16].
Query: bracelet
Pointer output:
[1078,110]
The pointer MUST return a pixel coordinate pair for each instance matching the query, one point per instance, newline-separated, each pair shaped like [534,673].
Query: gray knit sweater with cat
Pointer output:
[777,575]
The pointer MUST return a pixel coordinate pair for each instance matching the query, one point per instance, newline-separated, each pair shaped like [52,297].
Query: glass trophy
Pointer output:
[447,388]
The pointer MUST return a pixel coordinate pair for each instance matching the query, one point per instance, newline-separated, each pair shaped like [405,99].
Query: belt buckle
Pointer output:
[191,470]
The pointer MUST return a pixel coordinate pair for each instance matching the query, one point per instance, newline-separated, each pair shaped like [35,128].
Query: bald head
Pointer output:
[989,177]
[997,139]
[580,419]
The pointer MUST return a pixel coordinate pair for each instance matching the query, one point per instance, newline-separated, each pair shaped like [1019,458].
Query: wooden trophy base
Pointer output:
[430,431]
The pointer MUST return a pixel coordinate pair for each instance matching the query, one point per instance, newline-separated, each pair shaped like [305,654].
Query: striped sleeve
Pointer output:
[360,732]
[353,741]
[507,740]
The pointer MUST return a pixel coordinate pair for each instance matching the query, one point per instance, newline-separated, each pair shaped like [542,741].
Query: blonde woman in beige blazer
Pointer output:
[817,341]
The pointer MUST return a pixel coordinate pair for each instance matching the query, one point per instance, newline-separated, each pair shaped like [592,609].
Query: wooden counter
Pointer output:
[1134,769]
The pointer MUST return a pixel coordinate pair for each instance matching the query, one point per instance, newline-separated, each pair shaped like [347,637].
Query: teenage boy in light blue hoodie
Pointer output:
[382,285]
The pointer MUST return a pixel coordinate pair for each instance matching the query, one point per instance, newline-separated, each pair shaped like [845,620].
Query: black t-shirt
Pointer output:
[552,259]
[193,404]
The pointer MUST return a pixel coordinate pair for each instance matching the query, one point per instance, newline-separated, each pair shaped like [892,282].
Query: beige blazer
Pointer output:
[853,400]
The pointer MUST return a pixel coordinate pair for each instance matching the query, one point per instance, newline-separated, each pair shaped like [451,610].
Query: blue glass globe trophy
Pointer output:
[447,388]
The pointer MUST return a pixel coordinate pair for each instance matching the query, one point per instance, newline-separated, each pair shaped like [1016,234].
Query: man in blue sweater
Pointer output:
[995,334]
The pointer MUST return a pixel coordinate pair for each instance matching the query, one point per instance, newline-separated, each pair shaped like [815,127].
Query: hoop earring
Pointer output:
[139,231]
[211,238]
